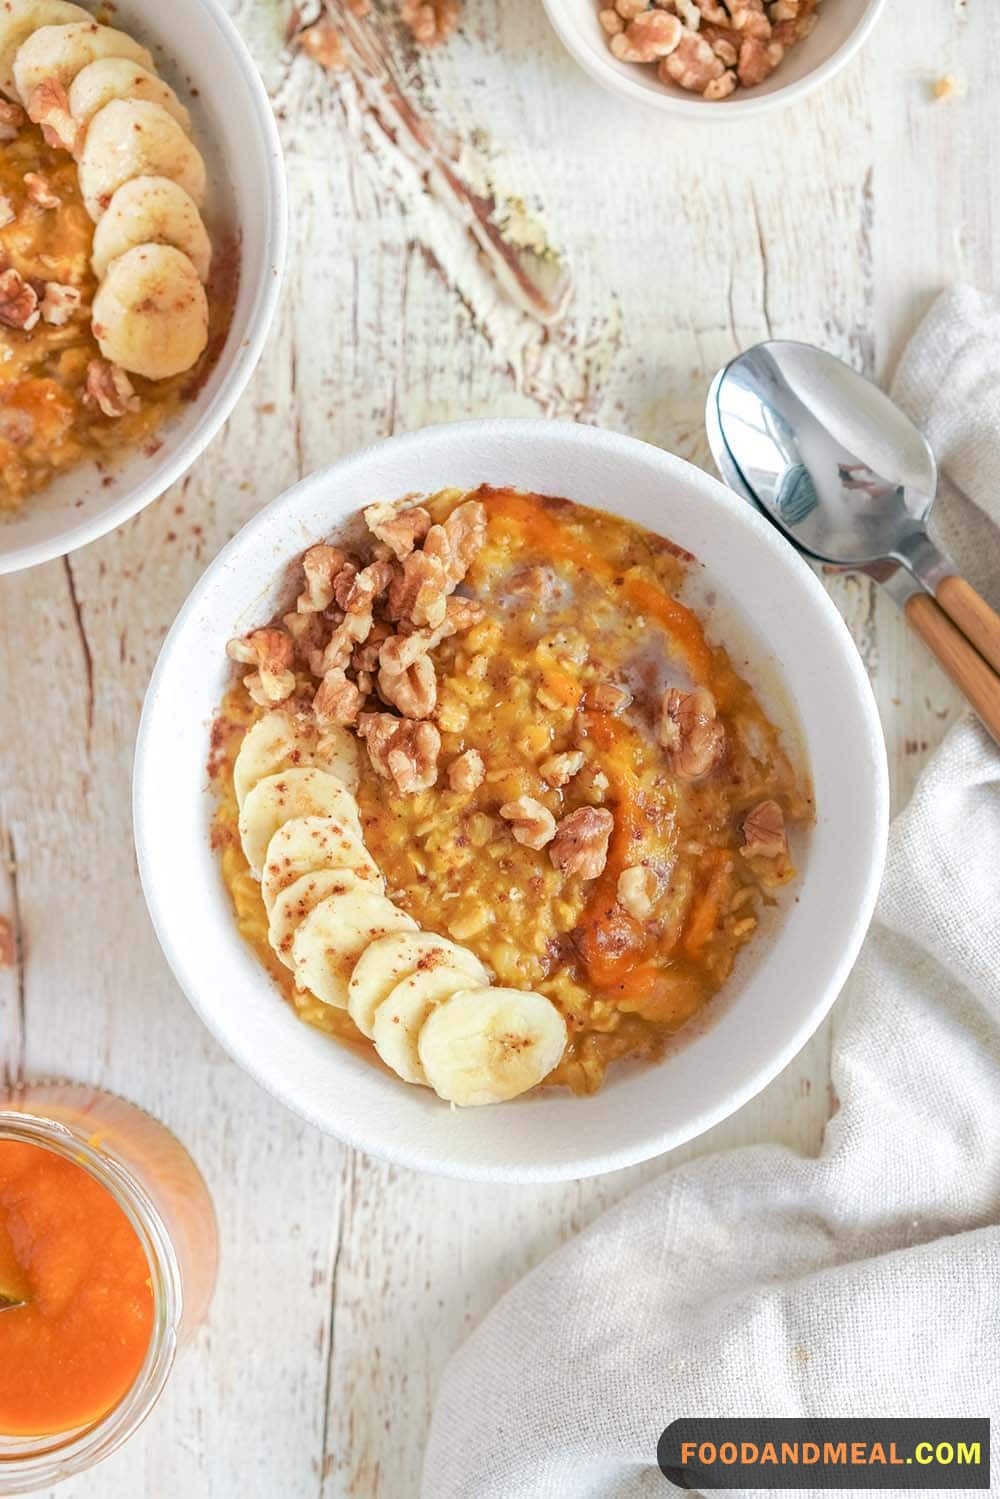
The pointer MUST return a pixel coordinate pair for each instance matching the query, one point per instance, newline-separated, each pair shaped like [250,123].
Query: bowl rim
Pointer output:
[260,316]
[651,1143]
[610,75]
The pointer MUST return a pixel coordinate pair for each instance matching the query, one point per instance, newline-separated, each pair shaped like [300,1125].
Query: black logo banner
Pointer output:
[854,1453]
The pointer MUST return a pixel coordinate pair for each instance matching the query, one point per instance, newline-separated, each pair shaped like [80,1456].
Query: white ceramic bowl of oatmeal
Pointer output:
[841,29]
[197,49]
[807,673]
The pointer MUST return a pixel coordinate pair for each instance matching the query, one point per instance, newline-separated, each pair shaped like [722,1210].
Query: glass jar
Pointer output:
[162,1193]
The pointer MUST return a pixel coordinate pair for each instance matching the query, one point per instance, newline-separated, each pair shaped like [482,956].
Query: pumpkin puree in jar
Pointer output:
[75,1348]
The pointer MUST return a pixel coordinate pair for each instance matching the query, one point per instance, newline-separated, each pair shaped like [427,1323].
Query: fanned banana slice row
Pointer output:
[151,211]
[282,739]
[150,313]
[308,845]
[120,78]
[400,1018]
[134,138]
[292,793]
[18,21]
[386,962]
[57,54]
[485,1046]
[295,902]
[333,936]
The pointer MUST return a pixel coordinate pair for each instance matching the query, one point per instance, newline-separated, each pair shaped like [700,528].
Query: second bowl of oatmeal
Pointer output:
[511,764]
[142,238]
[712,59]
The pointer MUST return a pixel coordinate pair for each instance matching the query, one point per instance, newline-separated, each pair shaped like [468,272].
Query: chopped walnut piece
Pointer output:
[398,529]
[413,690]
[611,22]
[758,60]
[531,823]
[651,35]
[308,631]
[580,845]
[465,529]
[693,65]
[764,832]
[690,731]
[400,651]
[466,771]
[401,749]
[337,700]
[365,656]
[320,565]
[720,88]
[356,591]
[429,21]
[48,106]
[607,697]
[349,632]
[109,389]
[271,650]
[39,191]
[322,43]
[11,120]
[7,214]
[637,890]
[18,301]
[559,770]
[419,592]
[60,304]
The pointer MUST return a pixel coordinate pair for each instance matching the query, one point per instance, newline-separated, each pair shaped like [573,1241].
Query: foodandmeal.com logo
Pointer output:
[908,1453]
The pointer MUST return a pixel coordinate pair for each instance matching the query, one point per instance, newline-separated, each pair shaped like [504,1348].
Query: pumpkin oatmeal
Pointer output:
[553,791]
[106,325]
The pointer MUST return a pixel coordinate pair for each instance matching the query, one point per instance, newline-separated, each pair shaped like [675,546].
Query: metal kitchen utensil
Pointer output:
[835,464]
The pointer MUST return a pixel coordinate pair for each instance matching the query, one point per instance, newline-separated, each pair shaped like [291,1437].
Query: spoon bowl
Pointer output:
[826,454]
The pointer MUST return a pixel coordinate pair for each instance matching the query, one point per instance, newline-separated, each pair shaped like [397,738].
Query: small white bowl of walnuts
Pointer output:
[712,58]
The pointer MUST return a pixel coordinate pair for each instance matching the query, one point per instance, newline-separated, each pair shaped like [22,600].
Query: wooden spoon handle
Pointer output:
[973,615]
[961,662]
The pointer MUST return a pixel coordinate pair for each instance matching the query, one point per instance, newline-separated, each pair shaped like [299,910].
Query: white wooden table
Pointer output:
[345,1284]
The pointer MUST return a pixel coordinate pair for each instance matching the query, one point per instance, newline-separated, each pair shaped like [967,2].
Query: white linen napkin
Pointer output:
[759,1282]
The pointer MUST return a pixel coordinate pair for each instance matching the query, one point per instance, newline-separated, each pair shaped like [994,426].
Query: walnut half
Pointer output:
[580,845]
[764,832]
[404,750]
[690,731]
[531,823]
[18,301]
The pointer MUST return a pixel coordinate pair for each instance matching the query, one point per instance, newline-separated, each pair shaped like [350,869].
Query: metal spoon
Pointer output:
[849,479]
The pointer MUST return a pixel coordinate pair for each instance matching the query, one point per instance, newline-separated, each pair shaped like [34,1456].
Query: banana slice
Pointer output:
[151,211]
[150,313]
[333,936]
[282,739]
[18,21]
[294,904]
[400,1018]
[134,138]
[118,78]
[306,845]
[57,54]
[292,793]
[389,960]
[488,1045]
